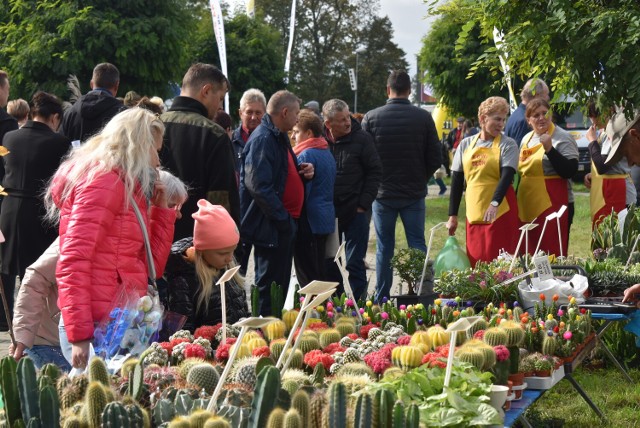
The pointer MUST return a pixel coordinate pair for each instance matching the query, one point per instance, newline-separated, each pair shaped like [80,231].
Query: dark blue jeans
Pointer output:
[385,214]
[43,354]
[273,264]
[356,237]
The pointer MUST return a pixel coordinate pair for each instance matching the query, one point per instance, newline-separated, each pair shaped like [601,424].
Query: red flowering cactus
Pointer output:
[385,351]
[167,346]
[404,340]
[316,356]
[434,359]
[502,353]
[377,361]
[261,351]
[207,331]
[443,350]
[333,348]
[479,335]
[222,353]
[364,330]
[174,342]
[317,326]
[193,350]
[352,336]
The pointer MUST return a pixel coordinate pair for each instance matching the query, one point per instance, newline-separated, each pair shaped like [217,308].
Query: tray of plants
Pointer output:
[607,305]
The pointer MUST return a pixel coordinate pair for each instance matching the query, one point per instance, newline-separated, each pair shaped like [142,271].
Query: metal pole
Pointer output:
[355,101]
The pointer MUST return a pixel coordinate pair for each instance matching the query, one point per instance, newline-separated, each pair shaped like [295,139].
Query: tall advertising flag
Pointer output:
[251,8]
[292,27]
[218,29]
[498,39]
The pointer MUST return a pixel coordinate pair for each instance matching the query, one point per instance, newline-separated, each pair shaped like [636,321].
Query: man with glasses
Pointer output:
[253,105]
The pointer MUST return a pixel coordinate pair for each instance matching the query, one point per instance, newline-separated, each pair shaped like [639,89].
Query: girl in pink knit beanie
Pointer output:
[196,264]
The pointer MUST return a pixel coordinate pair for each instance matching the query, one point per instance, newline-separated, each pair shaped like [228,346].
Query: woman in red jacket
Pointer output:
[101,242]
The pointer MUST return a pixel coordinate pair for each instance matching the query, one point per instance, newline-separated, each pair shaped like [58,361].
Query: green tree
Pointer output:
[447,69]
[254,59]
[584,48]
[44,41]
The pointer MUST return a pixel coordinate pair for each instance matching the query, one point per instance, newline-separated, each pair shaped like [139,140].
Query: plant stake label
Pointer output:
[543,267]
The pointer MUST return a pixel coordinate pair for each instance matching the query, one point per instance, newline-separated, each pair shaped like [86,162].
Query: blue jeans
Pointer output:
[44,354]
[385,214]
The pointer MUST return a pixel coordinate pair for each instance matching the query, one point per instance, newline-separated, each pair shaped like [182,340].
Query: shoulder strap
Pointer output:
[145,235]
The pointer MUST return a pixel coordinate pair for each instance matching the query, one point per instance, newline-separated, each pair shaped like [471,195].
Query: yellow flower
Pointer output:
[550,317]
[369,303]
[437,302]
[410,307]
[320,308]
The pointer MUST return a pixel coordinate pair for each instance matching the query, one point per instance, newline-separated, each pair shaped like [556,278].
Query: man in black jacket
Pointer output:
[407,142]
[197,149]
[97,107]
[357,177]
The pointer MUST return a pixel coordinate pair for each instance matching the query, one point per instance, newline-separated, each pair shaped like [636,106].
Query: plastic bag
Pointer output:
[575,287]
[131,326]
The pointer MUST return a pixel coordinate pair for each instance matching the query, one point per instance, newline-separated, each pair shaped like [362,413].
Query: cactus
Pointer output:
[329,336]
[356,369]
[136,382]
[337,397]
[62,382]
[95,402]
[44,381]
[51,370]
[183,403]
[549,345]
[517,313]
[292,419]
[407,357]
[489,357]
[180,422]
[317,378]
[276,418]
[413,416]
[217,422]
[127,367]
[316,409]
[289,318]
[74,422]
[481,324]
[301,402]
[550,324]
[243,351]
[364,412]
[398,420]
[276,347]
[98,371]
[438,336]
[382,408]
[291,386]
[28,389]
[274,330]
[163,411]
[244,371]
[471,356]
[49,407]
[187,364]
[138,417]
[115,416]
[345,328]
[515,333]
[422,340]
[308,343]
[198,418]
[265,396]
[351,355]
[256,343]
[10,395]
[296,360]
[204,376]
[495,336]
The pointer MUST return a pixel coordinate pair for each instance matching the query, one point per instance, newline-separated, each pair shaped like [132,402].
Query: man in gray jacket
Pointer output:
[407,143]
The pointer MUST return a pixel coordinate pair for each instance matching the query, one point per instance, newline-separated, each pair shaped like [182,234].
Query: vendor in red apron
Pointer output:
[488,162]
[548,160]
[612,188]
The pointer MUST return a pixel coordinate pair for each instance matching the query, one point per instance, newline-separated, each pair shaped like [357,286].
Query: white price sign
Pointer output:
[352,79]
[543,267]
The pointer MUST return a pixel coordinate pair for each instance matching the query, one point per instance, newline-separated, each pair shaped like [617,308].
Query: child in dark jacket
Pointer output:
[195,265]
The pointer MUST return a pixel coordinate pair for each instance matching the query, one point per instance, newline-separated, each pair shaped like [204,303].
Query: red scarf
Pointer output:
[311,143]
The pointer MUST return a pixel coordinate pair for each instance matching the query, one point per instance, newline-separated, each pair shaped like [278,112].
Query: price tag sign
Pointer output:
[543,267]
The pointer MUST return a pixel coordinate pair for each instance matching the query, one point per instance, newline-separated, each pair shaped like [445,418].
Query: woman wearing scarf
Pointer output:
[318,214]
[488,162]
[548,160]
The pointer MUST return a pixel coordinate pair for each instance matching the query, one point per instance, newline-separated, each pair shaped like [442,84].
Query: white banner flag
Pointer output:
[498,39]
[251,8]
[218,29]
[292,27]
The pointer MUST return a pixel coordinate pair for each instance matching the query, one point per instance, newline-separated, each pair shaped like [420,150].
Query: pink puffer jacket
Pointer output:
[101,247]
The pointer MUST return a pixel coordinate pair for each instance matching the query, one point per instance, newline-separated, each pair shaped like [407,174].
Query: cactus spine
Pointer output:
[292,419]
[276,418]
[217,422]
[180,422]
[515,333]
[265,396]
[308,343]
[204,376]
[95,402]
[471,356]
[495,336]
[364,412]
[329,336]
[337,397]
[198,418]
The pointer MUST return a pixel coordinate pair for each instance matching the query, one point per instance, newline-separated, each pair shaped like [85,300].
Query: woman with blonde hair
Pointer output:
[195,265]
[94,195]
[488,162]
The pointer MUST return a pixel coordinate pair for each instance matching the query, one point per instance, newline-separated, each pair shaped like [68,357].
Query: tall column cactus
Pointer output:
[265,396]
[337,397]
[9,383]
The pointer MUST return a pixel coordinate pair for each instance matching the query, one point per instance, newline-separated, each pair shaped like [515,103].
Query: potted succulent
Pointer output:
[408,264]
[527,366]
[543,366]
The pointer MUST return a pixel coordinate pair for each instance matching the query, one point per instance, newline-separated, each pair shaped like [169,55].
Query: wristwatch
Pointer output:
[494,203]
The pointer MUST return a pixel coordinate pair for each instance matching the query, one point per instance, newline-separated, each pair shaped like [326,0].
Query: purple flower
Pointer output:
[385,299]
[420,321]
[452,304]
[516,304]
[469,303]
[338,309]
[354,313]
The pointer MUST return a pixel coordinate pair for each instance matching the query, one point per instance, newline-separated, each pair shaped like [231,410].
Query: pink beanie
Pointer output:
[214,228]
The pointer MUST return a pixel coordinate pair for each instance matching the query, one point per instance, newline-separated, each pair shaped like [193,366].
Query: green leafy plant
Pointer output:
[408,263]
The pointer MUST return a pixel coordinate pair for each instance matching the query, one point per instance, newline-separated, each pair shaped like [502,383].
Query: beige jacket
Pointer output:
[36,313]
